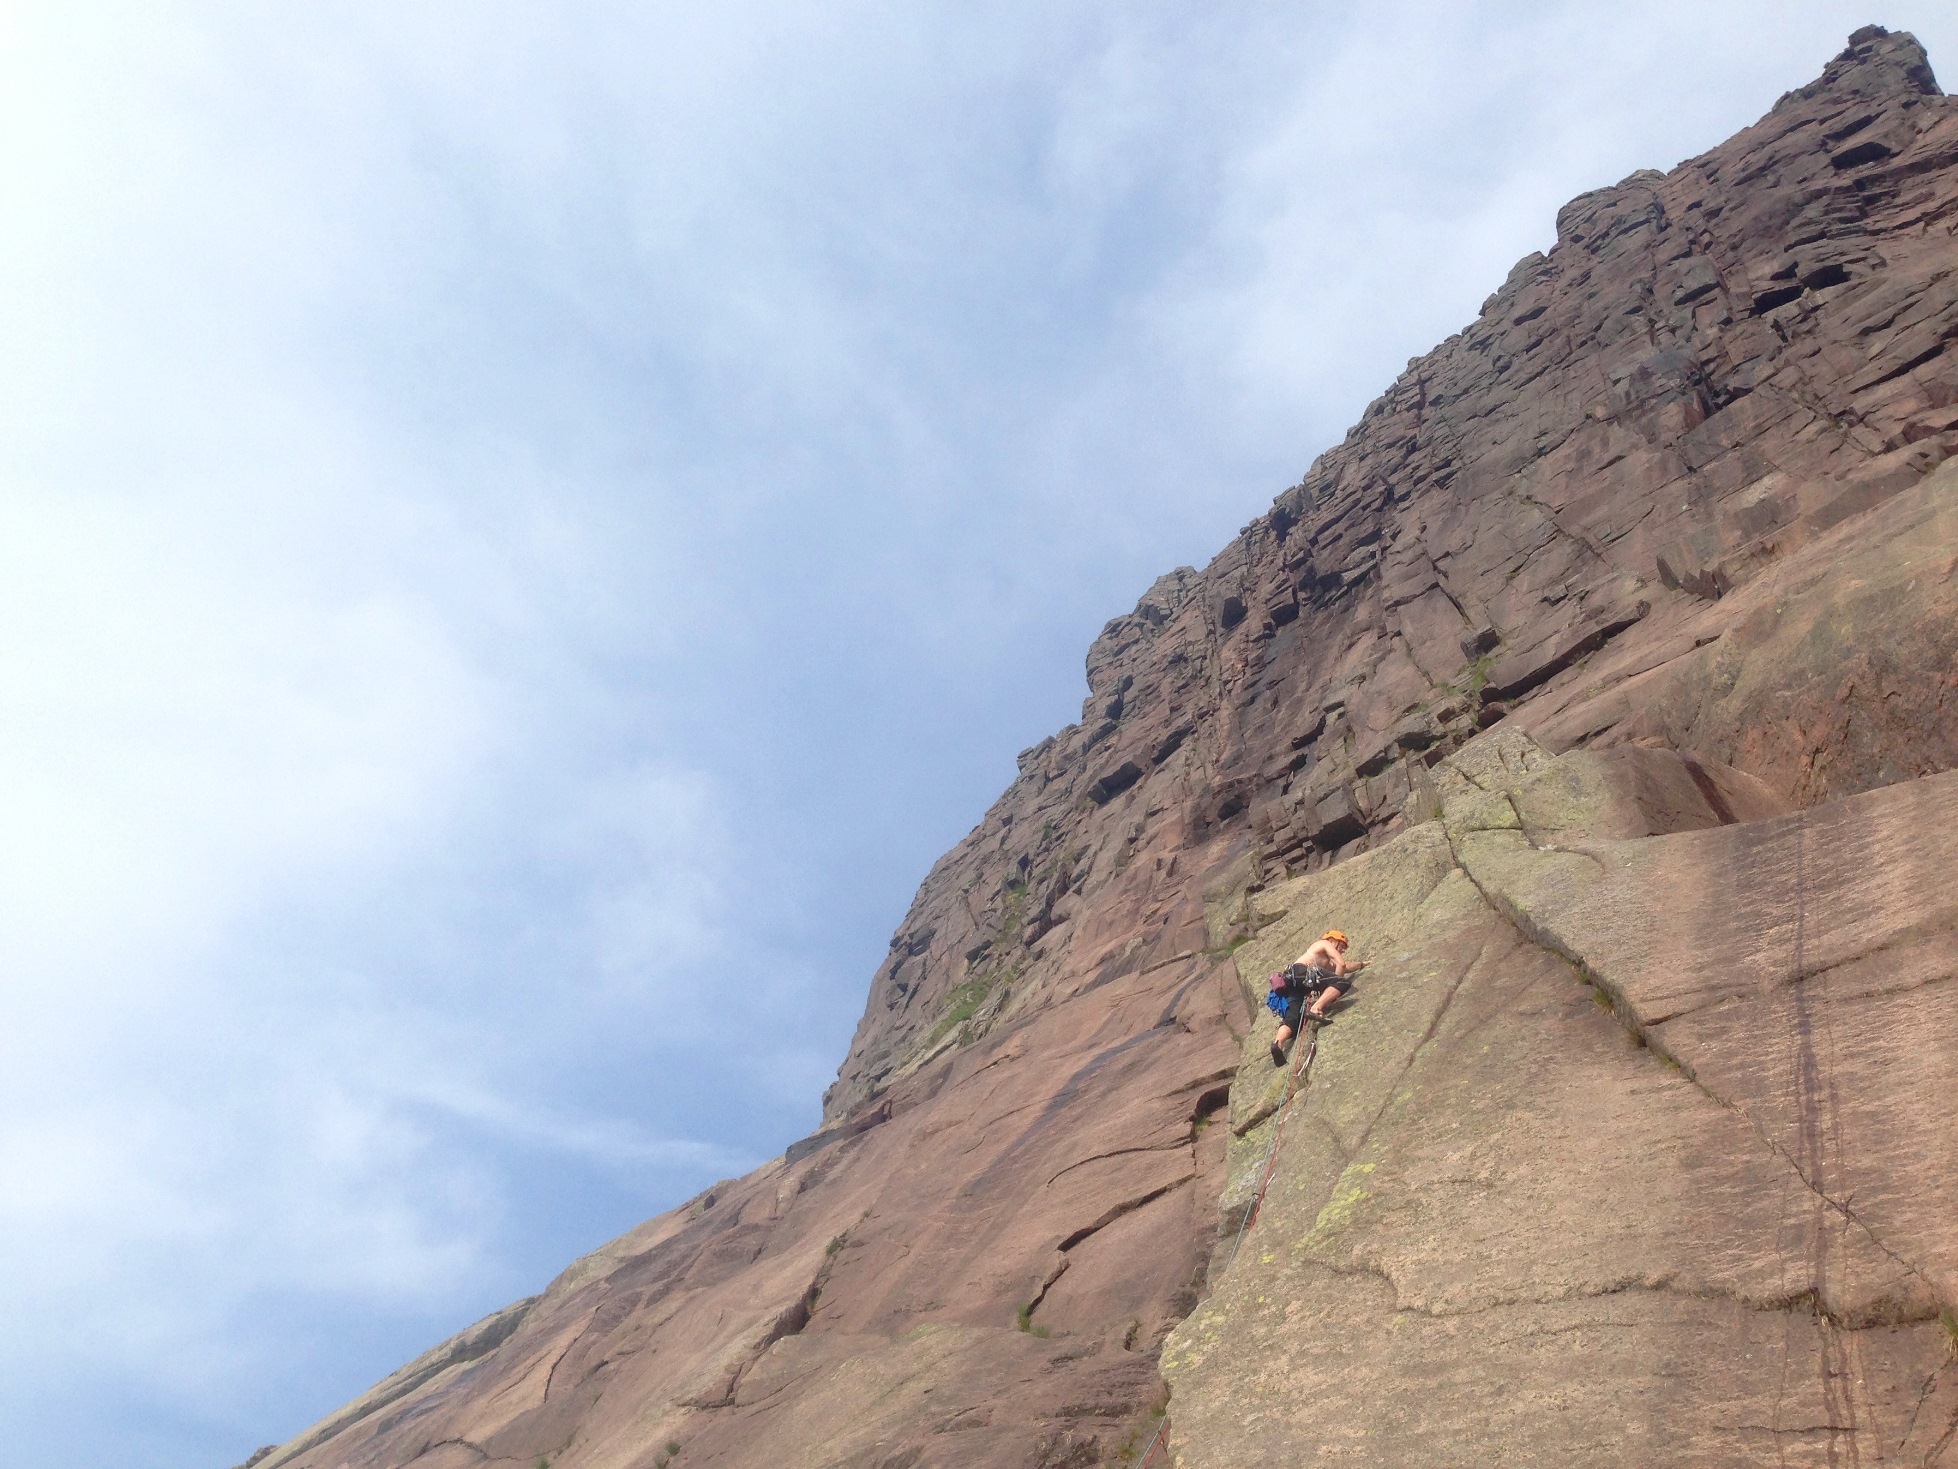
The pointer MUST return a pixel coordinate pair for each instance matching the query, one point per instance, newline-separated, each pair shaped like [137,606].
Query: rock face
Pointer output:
[1599,684]
[1643,1154]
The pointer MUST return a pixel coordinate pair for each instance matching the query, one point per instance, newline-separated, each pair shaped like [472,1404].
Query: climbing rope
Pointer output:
[1301,1068]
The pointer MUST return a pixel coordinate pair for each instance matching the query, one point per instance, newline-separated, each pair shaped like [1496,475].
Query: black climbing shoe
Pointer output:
[1277,1054]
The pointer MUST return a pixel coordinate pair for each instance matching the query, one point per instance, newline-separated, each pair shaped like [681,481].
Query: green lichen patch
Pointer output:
[961,1005]
[1348,1194]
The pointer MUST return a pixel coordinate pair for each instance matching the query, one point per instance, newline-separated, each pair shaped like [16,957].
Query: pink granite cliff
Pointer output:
[1602,684]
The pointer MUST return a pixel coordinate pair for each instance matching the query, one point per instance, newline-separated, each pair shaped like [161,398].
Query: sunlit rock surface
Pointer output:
[1600,685]
[1640,1148]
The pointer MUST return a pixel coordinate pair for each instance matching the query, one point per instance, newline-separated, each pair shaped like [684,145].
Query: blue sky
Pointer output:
[524,529]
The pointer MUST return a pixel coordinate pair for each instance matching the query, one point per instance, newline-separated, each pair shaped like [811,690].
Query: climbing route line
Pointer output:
[1302,1059]
[1301,1070]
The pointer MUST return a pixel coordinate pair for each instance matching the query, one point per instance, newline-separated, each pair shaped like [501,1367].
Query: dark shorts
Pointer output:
[1295,1007]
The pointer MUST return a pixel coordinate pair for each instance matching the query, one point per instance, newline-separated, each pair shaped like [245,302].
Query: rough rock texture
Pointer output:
[1639,1148]
[1668,523]
[984,1262]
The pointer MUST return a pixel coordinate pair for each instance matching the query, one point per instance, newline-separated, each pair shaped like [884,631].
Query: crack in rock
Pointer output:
[1168,1147]
[1128,1206]
[1791,1302]
[1627,1014]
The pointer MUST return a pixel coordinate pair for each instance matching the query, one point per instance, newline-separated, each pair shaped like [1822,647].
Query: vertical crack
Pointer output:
[1808,1159]
[1627,1016]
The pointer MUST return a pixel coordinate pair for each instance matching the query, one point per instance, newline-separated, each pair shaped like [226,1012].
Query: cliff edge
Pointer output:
[1601,684]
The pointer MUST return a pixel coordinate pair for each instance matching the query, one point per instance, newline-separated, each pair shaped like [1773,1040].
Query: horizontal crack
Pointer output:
[1874,992]
[1126,1207]
[1171,1146]
[1060,1266]
[460,1443]
[1226,1073]
[1803,1300]
[1813,1428]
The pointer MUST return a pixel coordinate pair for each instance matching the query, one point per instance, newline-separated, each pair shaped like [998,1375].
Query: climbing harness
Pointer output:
[1302,1059]
[1297,981]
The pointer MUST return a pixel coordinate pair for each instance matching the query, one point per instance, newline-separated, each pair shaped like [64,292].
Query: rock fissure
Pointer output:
[1812,1430]
[1549,514]
[550,1377]
[1874,992]
[1801,1302]
[1166,1147]
[1127,1206]
[456,1443]
[1924,1392]
[1392,1093]
[1936,1455]
[790,1322]
[1643,1033]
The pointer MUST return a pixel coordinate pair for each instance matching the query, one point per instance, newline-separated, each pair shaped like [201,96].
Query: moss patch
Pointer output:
[960,1006]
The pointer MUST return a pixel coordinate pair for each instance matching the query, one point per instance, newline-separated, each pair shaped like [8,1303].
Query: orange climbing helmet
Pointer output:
[1334,936]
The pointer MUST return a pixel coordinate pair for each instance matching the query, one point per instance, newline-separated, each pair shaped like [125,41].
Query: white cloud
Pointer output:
[523,528]
[655,841]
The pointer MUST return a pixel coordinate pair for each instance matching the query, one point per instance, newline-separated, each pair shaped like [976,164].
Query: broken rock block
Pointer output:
[1114,782]
[1335,821]
[1521,672]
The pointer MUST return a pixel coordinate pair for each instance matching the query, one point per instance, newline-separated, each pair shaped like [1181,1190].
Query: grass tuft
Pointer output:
[961,1005]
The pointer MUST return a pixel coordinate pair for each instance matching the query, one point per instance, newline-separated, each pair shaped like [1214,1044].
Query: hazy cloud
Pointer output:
[525,528]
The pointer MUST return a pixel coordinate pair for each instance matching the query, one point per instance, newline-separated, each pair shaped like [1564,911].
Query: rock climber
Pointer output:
[1313,987]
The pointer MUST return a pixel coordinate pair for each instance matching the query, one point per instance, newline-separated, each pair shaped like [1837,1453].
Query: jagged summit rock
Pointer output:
[1875,63]
[1602,684]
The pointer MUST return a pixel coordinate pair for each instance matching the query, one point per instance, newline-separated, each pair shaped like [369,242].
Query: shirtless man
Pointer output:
[1324,965]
